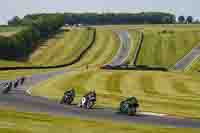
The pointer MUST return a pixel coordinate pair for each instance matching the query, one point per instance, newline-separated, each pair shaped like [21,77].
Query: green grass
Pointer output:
[19,122]
[7,31]
[165,46]
[171,93]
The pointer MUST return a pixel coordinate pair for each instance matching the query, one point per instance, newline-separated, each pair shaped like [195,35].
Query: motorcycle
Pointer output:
[129,106]
[88,101]
[7,88]
[68,97]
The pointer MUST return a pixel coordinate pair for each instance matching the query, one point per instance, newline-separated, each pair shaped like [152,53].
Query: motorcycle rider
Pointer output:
[8,88]
[68,96]
[70,92]
[22,80]
[90,96]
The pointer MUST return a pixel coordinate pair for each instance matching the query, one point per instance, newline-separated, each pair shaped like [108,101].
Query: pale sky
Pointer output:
[10,8]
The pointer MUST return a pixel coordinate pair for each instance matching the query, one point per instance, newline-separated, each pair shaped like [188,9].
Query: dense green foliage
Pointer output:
[14,21]
[18,45]
[44,23]
[120,18]
[21,44]
[7,31]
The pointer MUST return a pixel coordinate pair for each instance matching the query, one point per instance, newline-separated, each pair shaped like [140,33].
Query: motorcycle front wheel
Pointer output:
[89,105]
[131,111]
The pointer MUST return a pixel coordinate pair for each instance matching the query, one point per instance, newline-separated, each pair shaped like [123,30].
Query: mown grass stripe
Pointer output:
[163,85]
[110,50]
[147,85]
[95,56]
[113,83]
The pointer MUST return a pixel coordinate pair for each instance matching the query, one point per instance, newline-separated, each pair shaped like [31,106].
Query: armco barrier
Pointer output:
[141,68]
[138,49]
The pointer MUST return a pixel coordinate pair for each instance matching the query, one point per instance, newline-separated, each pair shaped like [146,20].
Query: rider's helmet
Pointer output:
[70,92]
[93,92]
[73,91]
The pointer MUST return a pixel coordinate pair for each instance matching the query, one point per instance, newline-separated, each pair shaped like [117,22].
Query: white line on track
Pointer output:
[151,113]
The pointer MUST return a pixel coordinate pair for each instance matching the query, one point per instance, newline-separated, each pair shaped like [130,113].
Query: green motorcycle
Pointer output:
[129,106]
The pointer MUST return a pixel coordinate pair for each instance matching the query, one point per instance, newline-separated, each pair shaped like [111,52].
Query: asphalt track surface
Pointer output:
[188,59]
[123,50]
[22,102]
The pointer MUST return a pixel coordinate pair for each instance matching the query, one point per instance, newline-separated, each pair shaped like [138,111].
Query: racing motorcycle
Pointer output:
[88,101]
[129,106]
[68,97]
[6,87]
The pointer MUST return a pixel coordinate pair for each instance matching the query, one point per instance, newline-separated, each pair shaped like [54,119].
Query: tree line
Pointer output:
[119,18]
[187,20]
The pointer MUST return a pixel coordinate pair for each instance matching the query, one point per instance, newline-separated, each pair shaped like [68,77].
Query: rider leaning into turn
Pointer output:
[70,92]
[91,94]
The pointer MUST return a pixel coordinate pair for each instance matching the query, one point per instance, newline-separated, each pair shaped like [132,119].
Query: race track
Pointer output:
[123,50]
[22,102]
[188,59]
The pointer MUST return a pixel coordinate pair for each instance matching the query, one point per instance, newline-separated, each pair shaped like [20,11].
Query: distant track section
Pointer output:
[188,59]
[123,52]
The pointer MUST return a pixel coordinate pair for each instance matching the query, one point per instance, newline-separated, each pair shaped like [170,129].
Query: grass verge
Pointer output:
[18,122]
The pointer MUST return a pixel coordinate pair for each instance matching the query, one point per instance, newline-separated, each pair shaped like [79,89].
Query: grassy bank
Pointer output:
[165,46]
[15,122]
[61,48]
[103,50]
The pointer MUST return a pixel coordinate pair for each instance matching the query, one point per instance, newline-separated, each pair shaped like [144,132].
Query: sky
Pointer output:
[10,8]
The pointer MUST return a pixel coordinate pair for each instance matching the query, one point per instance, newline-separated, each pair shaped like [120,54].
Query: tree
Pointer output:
[168,20]
[196,21]
[181,19]
[14,21]
[189,19]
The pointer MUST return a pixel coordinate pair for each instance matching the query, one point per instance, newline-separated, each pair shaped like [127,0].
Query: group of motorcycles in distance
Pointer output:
[128,106]
[8,86]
